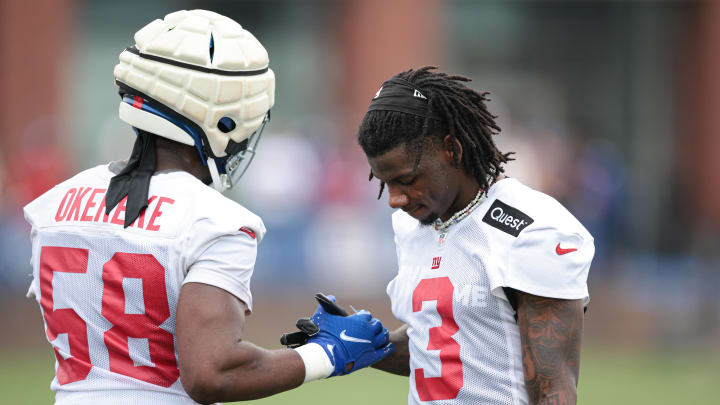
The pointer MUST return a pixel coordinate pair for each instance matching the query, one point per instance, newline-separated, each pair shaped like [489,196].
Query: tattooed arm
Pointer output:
[398,362]
[550,334]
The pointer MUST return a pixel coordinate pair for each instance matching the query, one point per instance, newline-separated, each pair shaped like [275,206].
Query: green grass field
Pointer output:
[608,376]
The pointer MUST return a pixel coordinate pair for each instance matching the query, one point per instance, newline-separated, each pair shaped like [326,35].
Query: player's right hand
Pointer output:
[351,342]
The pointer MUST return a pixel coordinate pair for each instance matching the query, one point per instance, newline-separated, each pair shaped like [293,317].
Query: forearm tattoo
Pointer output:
[550,334]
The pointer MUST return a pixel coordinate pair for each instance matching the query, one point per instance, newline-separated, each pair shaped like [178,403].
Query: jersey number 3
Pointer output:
[125,326]
[448,385]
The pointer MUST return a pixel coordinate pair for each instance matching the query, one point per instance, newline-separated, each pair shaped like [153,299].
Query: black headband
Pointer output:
[402,96]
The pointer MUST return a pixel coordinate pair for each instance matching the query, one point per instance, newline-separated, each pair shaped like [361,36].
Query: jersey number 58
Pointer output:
[121,265]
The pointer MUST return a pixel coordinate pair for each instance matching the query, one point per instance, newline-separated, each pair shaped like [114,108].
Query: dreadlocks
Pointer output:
[463,115]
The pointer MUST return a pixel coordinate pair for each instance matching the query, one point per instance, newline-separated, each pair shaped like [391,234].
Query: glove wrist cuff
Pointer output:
[317,362]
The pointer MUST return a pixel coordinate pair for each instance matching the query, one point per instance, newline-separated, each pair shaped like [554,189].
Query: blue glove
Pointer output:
[351,342]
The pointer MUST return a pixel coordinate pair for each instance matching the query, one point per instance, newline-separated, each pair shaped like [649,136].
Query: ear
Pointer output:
[449,153]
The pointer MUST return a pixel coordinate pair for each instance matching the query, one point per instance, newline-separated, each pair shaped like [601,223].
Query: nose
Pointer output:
[397,199]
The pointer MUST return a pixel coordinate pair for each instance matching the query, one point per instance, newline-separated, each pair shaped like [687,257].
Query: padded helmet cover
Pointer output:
[205,67]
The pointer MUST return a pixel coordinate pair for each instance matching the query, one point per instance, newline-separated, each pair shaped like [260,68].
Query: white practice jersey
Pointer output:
[109,294]
[464,341]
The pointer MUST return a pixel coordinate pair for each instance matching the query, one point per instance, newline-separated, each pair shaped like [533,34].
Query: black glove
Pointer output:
[307,326]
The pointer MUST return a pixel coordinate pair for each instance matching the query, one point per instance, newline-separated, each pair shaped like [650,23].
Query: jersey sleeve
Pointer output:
[227,263]
[29,211]
[221,245]
[550,262]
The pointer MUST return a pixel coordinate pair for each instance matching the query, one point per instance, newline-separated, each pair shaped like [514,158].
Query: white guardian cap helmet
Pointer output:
[199,78]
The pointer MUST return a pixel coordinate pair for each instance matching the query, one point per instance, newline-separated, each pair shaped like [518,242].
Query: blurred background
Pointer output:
[610,107]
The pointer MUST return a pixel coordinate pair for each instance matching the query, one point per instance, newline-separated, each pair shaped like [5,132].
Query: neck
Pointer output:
[468,191]
[175,156]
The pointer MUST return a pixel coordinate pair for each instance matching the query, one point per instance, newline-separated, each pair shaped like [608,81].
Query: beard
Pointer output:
[428,220]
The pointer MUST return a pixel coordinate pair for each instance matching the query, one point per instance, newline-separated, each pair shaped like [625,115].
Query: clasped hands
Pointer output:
[351,342]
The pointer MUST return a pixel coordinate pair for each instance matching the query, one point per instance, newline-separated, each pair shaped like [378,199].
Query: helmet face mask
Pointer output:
[208,78]
[236,165]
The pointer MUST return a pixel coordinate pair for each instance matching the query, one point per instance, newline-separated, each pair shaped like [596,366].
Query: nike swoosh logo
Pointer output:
[343,336]
[560,251]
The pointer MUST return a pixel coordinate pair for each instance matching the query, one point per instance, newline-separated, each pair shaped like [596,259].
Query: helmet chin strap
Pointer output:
[217,183]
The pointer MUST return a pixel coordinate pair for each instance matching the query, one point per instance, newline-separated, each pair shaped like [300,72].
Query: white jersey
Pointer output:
[464,341]
[108,295]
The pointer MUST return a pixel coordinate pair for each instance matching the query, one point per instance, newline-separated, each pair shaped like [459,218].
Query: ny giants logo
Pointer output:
[436,262]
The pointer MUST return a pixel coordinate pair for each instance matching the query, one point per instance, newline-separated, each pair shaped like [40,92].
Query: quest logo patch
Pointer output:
[506,218]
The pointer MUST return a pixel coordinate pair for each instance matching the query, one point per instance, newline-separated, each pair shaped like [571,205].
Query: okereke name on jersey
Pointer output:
[74,207]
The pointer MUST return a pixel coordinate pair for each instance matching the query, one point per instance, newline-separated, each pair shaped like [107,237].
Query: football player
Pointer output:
[142,268]
[492,274]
